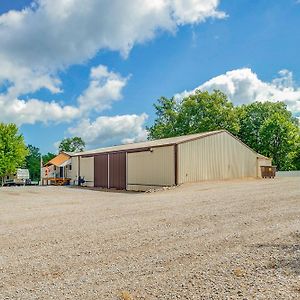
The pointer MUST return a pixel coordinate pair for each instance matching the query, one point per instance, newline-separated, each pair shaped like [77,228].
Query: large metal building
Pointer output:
[168,162]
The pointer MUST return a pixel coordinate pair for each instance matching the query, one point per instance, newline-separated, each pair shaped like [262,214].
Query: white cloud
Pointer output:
[61,32]
[243,86]
[53,34]
[105,87]
[194,11]
[23,79]
[111,130]
[50,35]
[33,110]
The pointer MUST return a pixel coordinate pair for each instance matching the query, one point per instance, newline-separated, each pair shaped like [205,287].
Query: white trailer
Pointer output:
[21,177]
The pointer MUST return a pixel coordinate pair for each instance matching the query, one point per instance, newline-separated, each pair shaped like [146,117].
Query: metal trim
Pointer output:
[162,185]
[108,183]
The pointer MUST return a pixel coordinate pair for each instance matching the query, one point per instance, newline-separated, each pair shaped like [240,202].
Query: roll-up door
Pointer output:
[117,170]
[101,170]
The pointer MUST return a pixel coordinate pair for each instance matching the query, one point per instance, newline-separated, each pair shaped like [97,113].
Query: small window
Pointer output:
[54,168]
[7,177]
[70,167]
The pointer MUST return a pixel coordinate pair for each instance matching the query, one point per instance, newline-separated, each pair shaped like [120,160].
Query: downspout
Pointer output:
[108,171]
[126,171]
[78,169]
[176,163]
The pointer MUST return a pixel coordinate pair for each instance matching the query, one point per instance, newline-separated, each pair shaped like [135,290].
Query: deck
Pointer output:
[56,181]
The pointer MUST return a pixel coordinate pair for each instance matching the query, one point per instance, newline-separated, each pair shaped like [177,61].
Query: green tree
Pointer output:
[270,129]
[47,157]
[165,124]
[278,140]
[199,112]
[12,149]
[74,144]
[296,161]
[33,162]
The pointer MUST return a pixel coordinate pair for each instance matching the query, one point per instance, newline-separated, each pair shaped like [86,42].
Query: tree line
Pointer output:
[15,154]
[267,127]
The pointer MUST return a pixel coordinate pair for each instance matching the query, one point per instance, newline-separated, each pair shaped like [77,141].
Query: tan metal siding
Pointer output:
[87,170]
[74,172]
[68,172]
[156,168]
[219,156]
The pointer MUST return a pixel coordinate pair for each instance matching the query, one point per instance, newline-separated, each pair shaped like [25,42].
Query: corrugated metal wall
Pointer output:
[87,170]
[68,172]
[74,172]
[117,170]
[156,168]
[218,156]
[101,170]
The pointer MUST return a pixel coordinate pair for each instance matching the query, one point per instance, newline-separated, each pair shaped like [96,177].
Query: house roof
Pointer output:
[149,144]
[60,160]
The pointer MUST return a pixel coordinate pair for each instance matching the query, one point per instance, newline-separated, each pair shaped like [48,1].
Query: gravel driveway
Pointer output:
[216,240]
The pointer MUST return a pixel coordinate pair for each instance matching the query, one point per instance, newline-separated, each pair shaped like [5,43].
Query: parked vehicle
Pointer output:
[21,177]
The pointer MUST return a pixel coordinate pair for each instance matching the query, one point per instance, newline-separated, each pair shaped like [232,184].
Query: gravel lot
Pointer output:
[216,240]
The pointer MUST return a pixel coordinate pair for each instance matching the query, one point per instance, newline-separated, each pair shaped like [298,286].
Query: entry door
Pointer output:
[117,170]
[61,172]
[101,171]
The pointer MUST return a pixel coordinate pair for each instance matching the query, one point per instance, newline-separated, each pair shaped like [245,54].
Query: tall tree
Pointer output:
[270,129]
[33,162]
[296,160]
[165,124]
[47,157]
[74,144]
[12,149]
[199,112]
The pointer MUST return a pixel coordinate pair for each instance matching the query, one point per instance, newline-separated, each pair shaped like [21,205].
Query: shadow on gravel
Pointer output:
[286,255]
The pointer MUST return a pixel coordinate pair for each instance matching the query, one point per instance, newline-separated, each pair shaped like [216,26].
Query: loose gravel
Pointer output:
[215,240]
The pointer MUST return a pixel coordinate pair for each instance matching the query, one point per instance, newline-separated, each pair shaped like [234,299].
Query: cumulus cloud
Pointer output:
[243,86]
[33,110]
[111,130]
[53,34]
[50,35]
[105,87]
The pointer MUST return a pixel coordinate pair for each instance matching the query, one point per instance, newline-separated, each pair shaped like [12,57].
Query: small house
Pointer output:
[58,170]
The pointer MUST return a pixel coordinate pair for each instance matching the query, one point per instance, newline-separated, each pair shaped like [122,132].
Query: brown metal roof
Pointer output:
[59,159]
[150,144]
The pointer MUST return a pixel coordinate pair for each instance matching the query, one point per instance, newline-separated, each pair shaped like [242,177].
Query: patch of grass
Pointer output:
[239,272]
[125,295]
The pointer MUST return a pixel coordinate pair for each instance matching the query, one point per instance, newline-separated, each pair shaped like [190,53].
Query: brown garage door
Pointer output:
[117,170]
[101,170]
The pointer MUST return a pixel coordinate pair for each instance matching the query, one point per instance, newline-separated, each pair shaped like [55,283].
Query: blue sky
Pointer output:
[99,79]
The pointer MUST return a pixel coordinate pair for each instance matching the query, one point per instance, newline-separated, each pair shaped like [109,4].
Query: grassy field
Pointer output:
[216,240]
